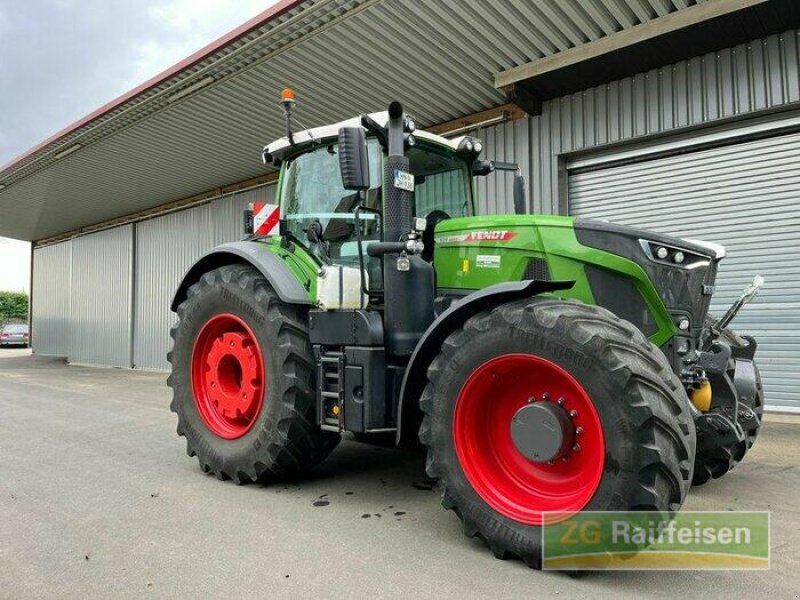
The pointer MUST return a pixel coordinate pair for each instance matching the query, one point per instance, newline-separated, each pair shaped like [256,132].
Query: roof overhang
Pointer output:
[200,126]
[694,31]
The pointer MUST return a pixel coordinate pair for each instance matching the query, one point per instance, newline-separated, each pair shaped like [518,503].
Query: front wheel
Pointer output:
[551,405]
[243,379]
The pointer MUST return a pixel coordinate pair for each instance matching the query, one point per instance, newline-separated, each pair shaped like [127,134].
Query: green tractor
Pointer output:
[546,363]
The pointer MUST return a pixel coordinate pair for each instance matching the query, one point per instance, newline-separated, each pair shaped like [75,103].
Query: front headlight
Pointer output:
[672,255]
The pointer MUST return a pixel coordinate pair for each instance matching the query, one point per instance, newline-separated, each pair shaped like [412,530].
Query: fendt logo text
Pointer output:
[502,235]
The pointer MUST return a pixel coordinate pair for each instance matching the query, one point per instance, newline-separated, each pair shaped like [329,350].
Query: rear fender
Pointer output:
[280,277]
[415,378]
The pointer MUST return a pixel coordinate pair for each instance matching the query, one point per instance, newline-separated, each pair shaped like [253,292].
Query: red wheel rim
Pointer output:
[518,488]
[228,378]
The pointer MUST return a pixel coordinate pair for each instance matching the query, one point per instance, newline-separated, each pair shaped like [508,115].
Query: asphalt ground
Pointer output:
[98,499]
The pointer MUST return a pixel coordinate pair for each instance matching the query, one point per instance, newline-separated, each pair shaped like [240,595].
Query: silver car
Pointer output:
[14,335]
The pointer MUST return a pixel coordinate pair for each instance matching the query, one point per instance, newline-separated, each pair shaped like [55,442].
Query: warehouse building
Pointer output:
[682,116]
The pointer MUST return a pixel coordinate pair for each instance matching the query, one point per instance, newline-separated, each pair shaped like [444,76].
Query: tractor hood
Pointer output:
[656,282]
[682,271]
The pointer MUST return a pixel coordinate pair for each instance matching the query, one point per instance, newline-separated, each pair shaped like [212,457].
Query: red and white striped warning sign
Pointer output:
[265,218]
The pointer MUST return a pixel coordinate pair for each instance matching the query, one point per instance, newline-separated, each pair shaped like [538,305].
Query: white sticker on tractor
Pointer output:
[487,261]
[403,180]
[266,218]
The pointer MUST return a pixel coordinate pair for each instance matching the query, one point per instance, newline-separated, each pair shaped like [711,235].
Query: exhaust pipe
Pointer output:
[408,279]
[397,202]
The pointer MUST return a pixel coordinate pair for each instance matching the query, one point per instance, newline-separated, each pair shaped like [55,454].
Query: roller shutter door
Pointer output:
[744,195]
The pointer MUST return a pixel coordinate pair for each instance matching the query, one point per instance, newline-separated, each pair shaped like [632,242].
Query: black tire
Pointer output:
[283,442]
[714,463]
[648,427]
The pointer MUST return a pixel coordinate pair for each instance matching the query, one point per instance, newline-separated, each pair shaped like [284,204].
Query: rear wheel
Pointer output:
[243,379]
[551,405]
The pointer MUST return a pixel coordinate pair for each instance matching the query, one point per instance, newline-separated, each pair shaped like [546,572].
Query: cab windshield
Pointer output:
[312,191]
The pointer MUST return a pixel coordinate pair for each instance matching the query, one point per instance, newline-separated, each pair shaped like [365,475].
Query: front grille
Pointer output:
[680,289]
[536,269]
[618,294]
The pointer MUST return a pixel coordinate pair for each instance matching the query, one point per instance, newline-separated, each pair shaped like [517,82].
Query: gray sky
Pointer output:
[62,59]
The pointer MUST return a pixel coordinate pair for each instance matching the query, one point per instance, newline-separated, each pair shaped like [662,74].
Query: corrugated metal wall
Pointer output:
[741,81]
[101,298]
[92,308]
[165,249]
[507,142]
[50,299]
[737,81]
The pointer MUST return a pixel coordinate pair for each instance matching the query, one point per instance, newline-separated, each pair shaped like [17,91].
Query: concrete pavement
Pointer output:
[98,499]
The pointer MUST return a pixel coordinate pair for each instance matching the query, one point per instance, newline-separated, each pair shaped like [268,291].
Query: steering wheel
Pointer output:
[433,218]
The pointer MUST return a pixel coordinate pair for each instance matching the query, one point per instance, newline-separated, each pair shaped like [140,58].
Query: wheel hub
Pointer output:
[542,431]
[528,438]
[228,376]
[231,374]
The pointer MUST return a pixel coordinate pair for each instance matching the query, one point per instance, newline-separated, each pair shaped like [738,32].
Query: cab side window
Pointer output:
[441,183]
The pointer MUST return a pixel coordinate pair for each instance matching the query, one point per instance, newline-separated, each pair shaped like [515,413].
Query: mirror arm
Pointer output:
[506,166]
[361,266]
[375,129]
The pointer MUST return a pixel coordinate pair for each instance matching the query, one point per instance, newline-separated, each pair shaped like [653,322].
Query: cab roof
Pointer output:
[315,135]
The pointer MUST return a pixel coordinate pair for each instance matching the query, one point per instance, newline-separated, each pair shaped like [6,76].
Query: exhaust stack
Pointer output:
[408,279]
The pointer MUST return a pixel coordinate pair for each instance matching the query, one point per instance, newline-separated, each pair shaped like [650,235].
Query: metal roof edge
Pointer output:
[271,13]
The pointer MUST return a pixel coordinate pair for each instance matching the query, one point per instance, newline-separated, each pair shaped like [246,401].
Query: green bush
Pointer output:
[13,306]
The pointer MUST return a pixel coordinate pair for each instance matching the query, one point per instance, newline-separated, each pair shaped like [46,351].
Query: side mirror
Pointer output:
[353,160]
[481,168]
[520,195]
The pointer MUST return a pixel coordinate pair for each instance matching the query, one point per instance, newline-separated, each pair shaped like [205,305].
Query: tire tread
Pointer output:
[294,444]
[653,392]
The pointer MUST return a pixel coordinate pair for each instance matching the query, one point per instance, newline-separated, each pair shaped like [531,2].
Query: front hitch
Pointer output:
[728,426]
[715,430]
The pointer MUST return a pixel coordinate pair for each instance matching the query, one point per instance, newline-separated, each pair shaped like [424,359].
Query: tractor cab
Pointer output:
[322,214]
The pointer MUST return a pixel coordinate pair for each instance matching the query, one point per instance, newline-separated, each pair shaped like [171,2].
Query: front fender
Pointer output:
[428,347]
[280,277]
